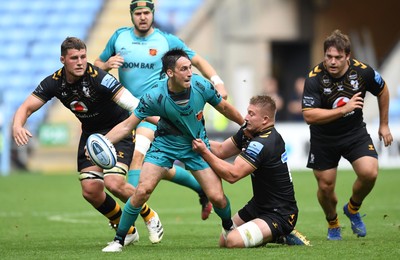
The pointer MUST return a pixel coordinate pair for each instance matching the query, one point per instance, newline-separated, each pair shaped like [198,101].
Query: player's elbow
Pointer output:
[232,178]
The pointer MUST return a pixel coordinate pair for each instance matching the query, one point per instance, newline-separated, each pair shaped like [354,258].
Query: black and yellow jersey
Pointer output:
[273,189]
[90,99]
[321,90]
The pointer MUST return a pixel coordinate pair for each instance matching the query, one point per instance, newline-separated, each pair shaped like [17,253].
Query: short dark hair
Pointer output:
[338,40]
[170,57]
[72,43]
[266,102]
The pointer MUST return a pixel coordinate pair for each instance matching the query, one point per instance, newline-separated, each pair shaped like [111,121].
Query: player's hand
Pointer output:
[199,146]
[115,62]
[221,90]
[355,102]
[21,135]
[385,135]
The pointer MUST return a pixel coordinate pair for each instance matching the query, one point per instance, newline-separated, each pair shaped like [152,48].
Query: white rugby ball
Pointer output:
[101,151]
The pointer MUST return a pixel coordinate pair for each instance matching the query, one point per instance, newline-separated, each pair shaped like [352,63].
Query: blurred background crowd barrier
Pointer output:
[257,47]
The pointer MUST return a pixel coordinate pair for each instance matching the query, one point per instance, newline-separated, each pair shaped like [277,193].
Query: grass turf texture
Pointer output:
[45,217]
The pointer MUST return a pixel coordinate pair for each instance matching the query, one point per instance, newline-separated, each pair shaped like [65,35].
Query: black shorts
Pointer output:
[124,150]
[280,225]
[326,155]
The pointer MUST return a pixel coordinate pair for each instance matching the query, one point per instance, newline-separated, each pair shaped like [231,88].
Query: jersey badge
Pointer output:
[355,85]
[284,157]
[327,91]
[254,148]
[153,52]
[378,78]
[199,115]
[109,81]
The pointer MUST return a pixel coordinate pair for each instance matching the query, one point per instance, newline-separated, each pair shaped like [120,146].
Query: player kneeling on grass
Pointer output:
[271,214]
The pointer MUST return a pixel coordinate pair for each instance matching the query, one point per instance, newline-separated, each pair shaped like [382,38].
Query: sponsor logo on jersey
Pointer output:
[254,148]
[108,81]
[378,78]
[78,106]
[340,101]
[137,65]
[308,101]
[284,157]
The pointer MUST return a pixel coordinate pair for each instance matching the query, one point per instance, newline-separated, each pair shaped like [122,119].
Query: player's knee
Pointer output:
[234,240]
[218,199]
[115,180]
[246,235]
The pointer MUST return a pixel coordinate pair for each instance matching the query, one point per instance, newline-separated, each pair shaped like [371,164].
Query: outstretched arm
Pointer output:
[230,112]
[118,132]
[20,133]
[209,72]
[383,104]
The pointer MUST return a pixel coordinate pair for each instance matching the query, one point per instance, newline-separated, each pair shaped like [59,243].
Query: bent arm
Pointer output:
[21,135]
[225,149]
[114,62]
[118,132]
[210,73]
[319,116]
[227,171]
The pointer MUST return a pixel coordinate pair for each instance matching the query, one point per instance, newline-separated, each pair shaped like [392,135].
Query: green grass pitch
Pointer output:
[45,217]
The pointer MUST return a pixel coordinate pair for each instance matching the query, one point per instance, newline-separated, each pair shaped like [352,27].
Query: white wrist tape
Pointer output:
[127,101]
[216,80]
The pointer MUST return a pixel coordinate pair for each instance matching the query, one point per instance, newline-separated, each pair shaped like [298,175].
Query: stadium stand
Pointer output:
[31,33]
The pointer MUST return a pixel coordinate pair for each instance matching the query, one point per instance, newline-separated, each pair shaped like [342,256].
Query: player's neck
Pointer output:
[143,34]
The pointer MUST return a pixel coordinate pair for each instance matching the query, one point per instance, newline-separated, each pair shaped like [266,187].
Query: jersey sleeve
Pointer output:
[311,97]
[146,106]
[207,89]
[45,91]
[376,82]
[108,82]
[253,154]
[109,50]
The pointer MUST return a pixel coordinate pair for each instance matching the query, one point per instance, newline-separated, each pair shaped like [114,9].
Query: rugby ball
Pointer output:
[101,151]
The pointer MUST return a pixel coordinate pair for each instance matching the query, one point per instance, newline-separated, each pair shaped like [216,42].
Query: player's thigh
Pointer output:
[150,176]
[210,182]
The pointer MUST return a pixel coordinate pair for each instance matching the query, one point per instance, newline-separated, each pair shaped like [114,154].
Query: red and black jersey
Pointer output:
[271,180]
[90,98]
[321,90]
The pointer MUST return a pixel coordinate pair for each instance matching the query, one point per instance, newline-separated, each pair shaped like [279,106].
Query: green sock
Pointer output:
[225,213]
[185,178]
[133,177]
[129,216]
